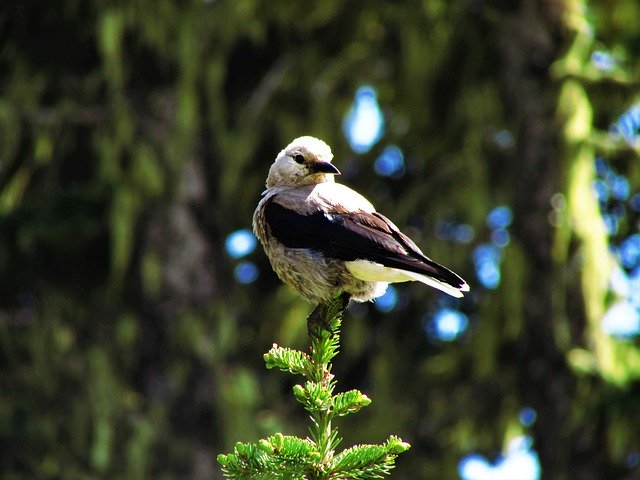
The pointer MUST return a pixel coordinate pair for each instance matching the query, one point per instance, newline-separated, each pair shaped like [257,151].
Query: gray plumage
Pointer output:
[322,238]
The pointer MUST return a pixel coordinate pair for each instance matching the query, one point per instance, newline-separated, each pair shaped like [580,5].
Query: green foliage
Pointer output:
[134,137]
[287,457]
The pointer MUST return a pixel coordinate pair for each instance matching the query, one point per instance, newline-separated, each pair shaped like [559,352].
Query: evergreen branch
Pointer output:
[349,402]
[288,360]
[368,461]
[279,456]
[286,457]
[313,396]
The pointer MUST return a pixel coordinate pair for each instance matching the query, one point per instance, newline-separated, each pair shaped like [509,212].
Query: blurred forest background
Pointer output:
[135,308]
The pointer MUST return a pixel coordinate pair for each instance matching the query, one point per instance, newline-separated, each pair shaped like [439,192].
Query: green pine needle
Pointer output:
[349,402]
[288,360]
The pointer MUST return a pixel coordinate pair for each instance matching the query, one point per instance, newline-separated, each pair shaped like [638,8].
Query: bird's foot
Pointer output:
[317,321]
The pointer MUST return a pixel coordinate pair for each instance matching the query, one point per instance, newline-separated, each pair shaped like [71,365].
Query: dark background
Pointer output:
[135,138]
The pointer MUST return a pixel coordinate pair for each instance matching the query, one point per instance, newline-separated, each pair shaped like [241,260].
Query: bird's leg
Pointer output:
[346,298]
[317,320]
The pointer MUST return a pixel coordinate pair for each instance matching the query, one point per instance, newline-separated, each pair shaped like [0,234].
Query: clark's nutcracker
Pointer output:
[324,239]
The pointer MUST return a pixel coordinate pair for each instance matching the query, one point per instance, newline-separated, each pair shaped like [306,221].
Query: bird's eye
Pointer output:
[299,158]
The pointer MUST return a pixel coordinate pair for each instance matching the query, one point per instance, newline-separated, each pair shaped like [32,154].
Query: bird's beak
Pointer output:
[323,167]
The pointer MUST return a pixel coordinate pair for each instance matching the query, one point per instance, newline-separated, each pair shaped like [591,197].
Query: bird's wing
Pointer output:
[349,236]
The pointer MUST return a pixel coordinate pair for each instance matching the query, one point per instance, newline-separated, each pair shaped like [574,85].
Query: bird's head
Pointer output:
[305,161]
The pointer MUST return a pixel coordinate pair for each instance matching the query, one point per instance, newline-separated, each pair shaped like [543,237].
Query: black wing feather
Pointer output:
[352,236]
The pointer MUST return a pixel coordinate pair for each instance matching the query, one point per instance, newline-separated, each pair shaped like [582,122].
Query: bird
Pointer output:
[324,239]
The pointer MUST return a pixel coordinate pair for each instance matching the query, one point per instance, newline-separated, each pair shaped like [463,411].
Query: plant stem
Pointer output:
[324,329]
[323,435]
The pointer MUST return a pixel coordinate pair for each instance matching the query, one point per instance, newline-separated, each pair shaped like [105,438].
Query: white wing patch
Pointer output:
[375,272]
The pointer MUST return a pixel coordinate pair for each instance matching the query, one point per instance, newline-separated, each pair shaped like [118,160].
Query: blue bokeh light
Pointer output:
[611,223]
[527,416]
[388,301]
[628,125]
[504,139]
[602,166]
[618,206]
[622,320]
[601,191]
[520,462]
[390,163]
[455,232]
[629,251]
[633,460]
[446,325]
[620,187]
[246,272]
[463,233]
[619,281]
[487,256]
[240,243]
[363,126]
[444,230]
[499,218]
[500,237]
[486,259]
[603,60]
